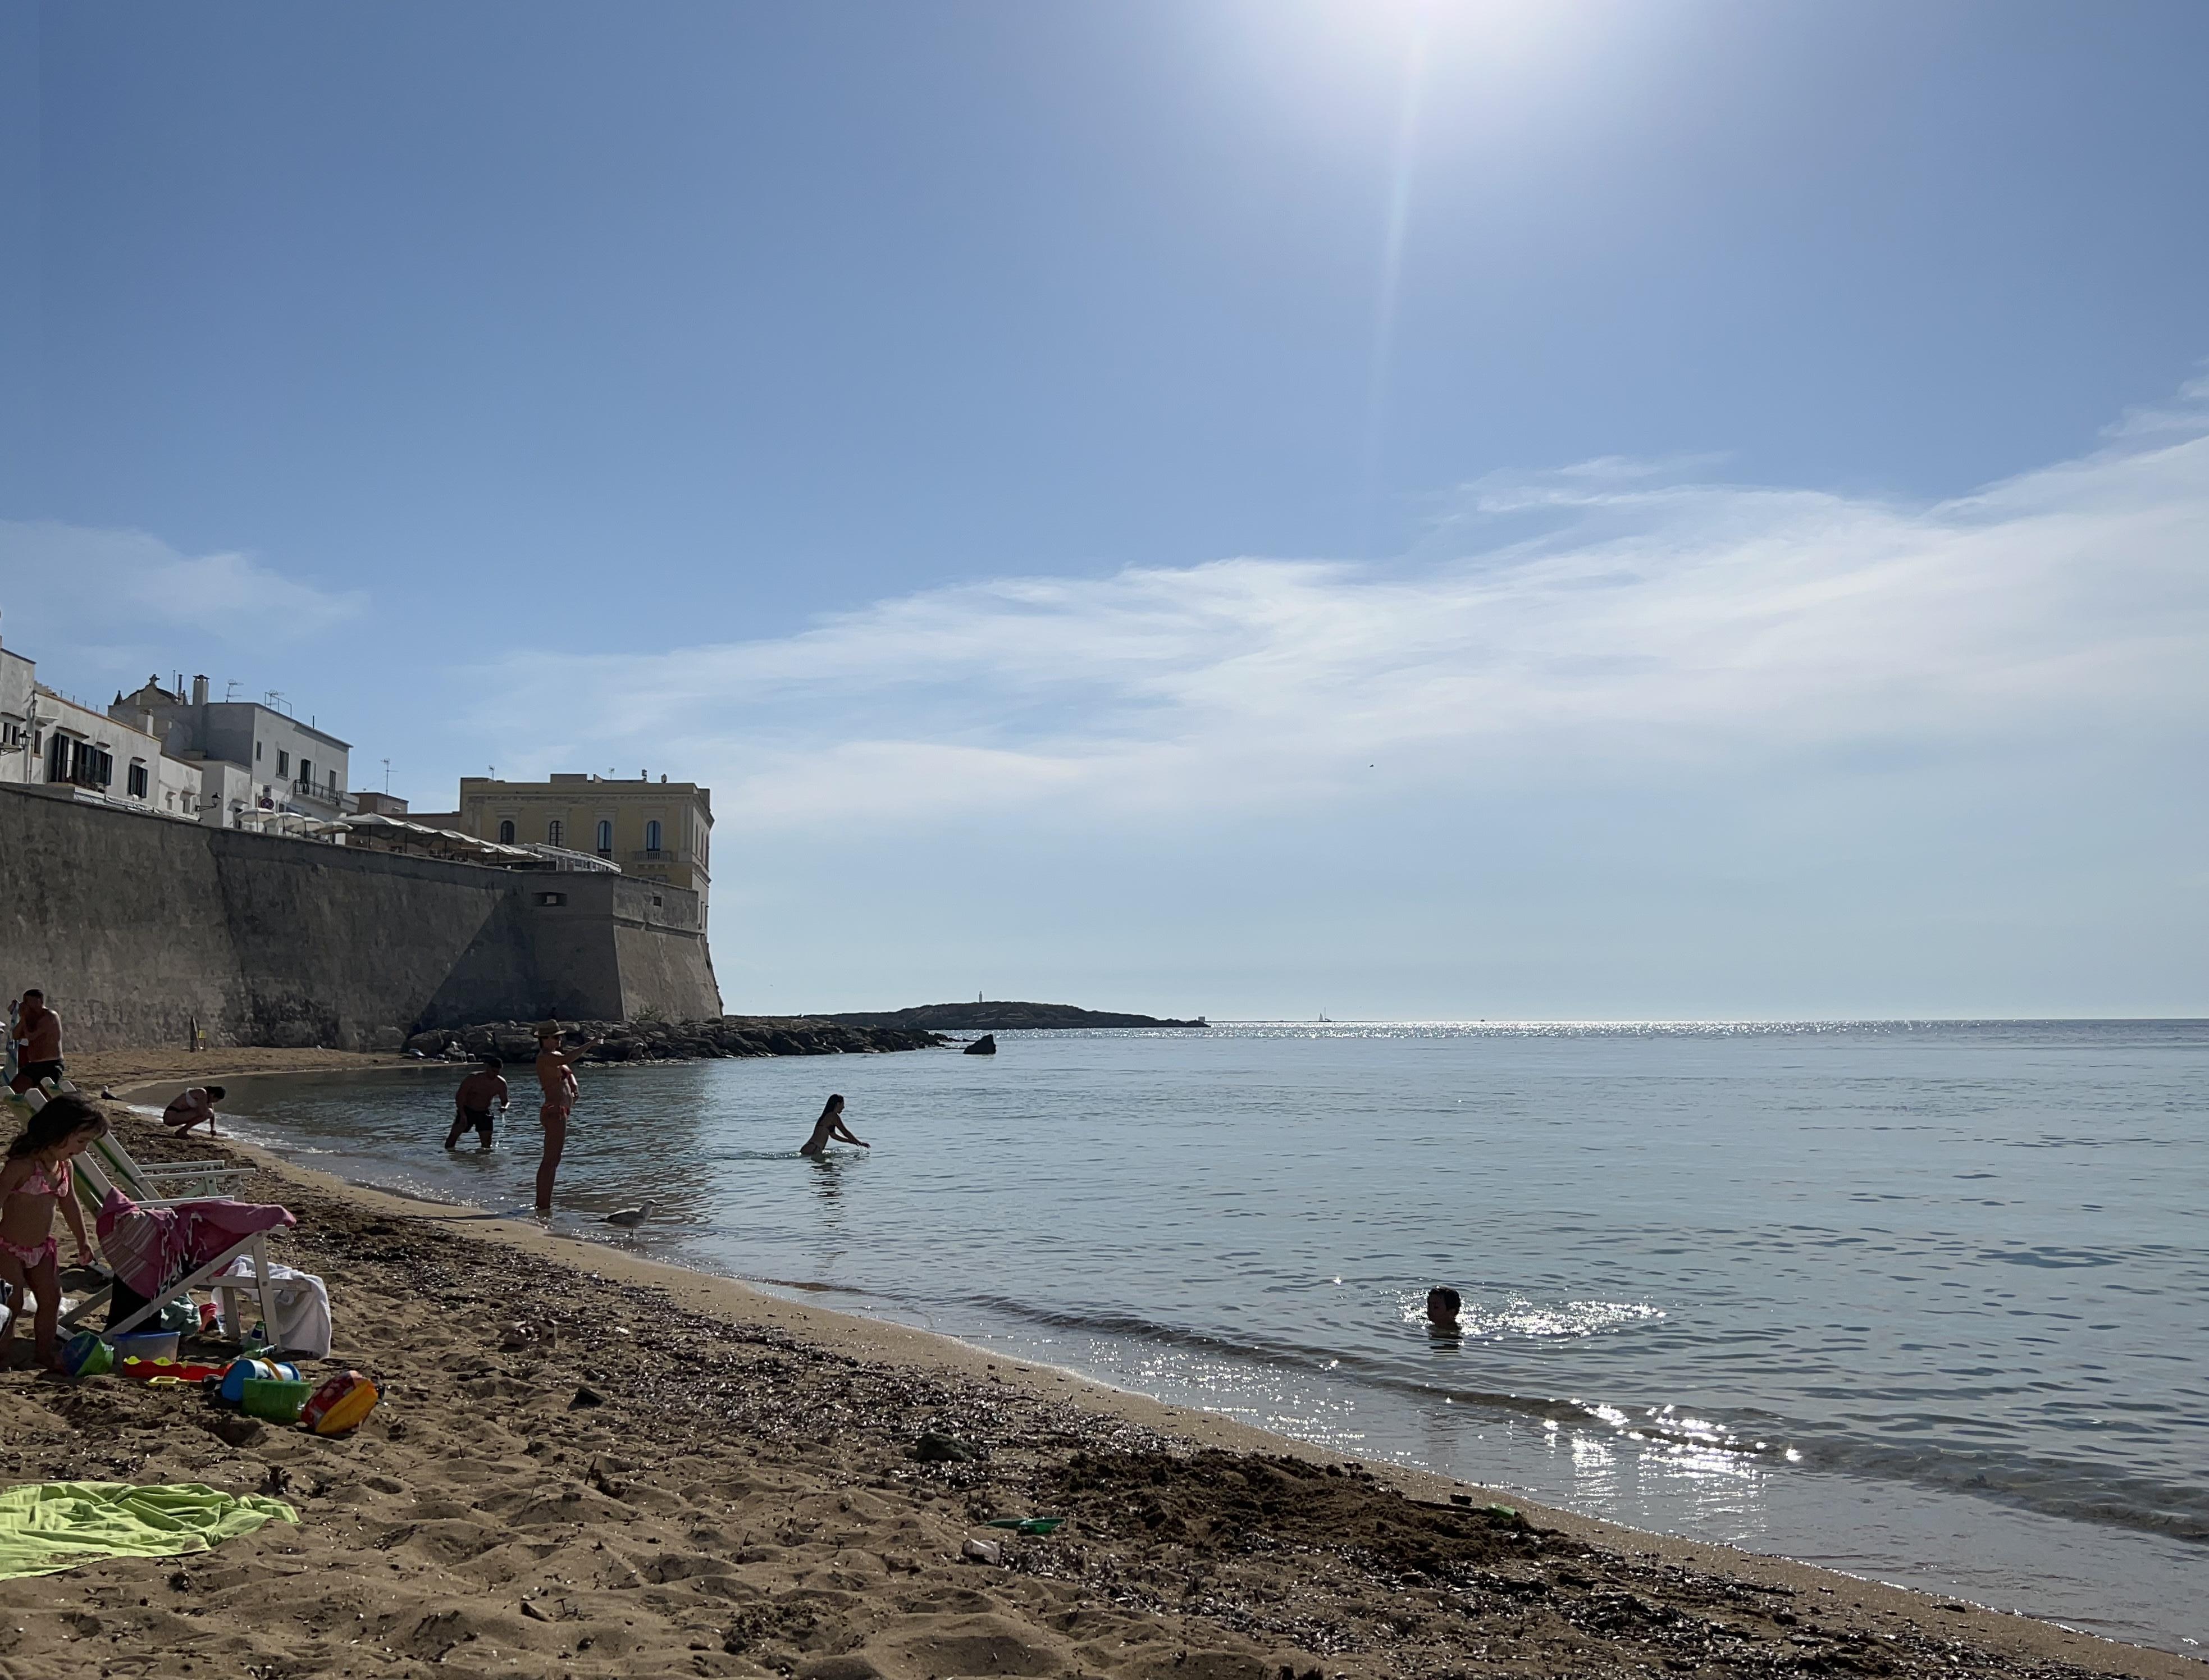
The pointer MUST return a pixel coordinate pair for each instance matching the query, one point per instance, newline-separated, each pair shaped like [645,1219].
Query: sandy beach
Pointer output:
[589,1464]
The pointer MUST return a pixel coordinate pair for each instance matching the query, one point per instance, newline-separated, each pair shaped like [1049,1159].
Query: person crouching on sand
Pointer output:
[555,1076]
[830,1128]
[195,1107]
[33,1177]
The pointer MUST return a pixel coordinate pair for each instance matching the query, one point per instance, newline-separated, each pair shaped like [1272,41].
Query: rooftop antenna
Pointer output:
[386,775]
[230,691]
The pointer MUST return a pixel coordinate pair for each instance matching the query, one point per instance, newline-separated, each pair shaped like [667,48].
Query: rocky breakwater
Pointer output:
[676,1040]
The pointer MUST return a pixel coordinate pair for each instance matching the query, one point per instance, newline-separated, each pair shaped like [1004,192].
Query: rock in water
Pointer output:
[985,1045]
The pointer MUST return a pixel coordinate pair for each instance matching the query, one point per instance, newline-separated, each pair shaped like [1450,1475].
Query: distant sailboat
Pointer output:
[1323,1016]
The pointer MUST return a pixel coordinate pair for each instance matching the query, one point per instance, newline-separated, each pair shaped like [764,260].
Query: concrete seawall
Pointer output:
[136,926]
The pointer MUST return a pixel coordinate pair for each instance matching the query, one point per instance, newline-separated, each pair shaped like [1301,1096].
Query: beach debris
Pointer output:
[524,1336]
[934,1448]
[1028,1525]
[982,1551]
[275,1481]
[630,1218]
[584,1397]
[530,1609]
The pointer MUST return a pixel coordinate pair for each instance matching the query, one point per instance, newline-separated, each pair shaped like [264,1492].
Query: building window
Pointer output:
[652,836]
[552,899]
[137,781]
[553,831]
[283,764]
[605,838]
[506,833]
[257,752]
[87,763]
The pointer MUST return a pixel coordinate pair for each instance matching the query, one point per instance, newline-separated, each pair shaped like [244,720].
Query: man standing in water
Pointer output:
[555,1076]
[471,1102]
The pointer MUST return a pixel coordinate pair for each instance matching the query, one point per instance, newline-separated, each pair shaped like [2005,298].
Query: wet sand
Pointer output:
[589,1464]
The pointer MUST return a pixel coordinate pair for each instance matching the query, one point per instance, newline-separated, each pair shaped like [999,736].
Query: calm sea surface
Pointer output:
[1925,1302]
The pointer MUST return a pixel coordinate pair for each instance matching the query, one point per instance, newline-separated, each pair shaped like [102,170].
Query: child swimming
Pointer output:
[33,1177]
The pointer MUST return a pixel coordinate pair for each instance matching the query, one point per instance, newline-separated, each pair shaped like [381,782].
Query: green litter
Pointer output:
[46,1526]
[1027,1525]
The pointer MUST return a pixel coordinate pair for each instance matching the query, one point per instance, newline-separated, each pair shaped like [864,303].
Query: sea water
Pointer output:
[1925,1302]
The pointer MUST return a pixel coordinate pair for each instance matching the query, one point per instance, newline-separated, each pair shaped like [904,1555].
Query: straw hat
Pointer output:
[548,1029]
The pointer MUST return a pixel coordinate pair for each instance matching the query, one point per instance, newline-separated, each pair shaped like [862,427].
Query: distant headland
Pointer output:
[999,1017]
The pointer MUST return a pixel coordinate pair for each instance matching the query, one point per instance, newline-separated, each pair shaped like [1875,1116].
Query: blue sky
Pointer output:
[1481,509]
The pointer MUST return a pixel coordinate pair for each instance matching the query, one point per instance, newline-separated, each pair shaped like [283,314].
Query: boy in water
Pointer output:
[1443,1304]
[556,1077]
[471,1102]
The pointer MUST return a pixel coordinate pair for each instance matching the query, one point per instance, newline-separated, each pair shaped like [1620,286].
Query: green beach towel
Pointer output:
[50,1526]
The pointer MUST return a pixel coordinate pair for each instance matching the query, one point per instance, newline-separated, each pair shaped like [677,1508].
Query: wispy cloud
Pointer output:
[148,592]
[1657,627]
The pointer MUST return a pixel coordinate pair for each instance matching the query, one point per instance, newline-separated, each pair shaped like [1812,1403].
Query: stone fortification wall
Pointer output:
[137,927]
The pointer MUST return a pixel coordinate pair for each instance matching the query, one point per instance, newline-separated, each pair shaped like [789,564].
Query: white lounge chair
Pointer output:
[93,1184]
[158,1183]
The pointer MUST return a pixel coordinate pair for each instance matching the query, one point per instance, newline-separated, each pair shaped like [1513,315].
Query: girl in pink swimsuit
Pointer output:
[34,1176]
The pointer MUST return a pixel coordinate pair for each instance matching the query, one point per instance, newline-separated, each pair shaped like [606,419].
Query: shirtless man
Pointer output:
[555,1076]
[38,1043]
[471,1102]
[195,1107]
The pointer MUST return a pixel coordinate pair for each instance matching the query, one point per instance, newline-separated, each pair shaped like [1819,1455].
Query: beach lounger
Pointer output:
[156,1182]
[165,1251]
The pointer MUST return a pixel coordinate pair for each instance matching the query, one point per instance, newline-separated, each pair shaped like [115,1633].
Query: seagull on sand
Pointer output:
[630,1218]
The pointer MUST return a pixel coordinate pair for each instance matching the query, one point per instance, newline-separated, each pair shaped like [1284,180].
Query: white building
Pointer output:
[18,679]
[288,766]
[62,744]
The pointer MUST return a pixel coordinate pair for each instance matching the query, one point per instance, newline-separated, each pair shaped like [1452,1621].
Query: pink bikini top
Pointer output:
[42,1181]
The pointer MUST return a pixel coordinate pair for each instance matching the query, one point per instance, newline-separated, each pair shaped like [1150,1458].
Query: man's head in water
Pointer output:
[1442,1304]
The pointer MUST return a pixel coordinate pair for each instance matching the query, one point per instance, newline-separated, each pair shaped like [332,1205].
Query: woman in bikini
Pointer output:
[830,1128]
[34,1176]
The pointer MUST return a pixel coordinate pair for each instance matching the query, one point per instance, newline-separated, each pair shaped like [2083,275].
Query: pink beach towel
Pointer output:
[150,1248]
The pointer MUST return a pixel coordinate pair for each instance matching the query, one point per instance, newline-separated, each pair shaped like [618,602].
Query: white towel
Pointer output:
[302,1308]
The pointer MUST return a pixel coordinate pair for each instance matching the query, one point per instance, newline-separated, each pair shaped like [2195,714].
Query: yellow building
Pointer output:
[659,831]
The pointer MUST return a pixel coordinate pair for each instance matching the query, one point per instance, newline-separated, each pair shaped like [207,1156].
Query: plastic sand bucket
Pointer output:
[159,1345]
[87,1355]
[241,1371]
[279,1400]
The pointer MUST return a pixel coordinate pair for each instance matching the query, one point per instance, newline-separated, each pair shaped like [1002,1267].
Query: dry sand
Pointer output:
[590,1465]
